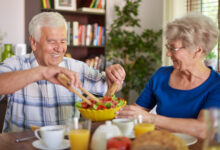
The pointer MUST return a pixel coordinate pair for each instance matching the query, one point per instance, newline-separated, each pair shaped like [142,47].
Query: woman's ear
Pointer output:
[33,43]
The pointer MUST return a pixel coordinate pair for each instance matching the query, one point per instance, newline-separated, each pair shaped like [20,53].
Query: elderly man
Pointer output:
[35,96]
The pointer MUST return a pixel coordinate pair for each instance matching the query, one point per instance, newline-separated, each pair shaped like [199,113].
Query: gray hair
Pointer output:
[193,30]
[45,19]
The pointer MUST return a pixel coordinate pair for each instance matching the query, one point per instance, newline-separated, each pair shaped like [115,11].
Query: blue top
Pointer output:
[179,103]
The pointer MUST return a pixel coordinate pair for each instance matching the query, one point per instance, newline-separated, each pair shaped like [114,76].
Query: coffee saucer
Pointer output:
[39,145]
[132,136]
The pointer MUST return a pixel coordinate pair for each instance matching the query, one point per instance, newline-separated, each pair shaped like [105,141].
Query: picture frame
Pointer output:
[69,5]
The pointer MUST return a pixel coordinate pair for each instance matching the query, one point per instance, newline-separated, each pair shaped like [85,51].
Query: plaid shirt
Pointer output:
[43,103]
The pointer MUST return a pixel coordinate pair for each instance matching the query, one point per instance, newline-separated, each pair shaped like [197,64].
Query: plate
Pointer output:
[189,140]
[38,144]
[132,136]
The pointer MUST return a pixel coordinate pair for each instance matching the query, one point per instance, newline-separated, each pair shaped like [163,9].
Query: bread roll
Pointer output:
[158,140]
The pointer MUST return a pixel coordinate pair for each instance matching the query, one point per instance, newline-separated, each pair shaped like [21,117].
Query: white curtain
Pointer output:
[172,9]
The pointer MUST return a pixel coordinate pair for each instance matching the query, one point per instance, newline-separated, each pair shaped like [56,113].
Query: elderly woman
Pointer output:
[182,91]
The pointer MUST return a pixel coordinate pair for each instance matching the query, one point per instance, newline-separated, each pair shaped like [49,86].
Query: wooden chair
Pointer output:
[3,106]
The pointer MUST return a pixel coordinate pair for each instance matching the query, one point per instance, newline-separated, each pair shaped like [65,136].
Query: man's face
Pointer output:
[50,50]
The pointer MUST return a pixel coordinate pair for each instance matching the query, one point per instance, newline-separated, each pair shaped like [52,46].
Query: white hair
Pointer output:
[45,19]
[194,30]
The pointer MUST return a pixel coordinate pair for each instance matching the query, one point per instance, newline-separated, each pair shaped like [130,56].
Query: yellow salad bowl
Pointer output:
[100,115]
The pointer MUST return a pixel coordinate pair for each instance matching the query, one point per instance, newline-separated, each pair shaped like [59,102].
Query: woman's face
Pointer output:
[182,57]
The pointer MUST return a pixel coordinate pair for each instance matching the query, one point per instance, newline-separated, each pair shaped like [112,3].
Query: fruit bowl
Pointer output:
[101,114]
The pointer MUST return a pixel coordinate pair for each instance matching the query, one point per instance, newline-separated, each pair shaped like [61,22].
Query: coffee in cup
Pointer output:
[51,136]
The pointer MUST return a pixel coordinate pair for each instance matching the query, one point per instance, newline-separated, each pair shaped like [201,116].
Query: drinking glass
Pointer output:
[142,127]
[78,133]
[212,118]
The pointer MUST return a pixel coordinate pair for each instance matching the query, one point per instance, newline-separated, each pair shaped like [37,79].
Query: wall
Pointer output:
[150,14]
[171,9]
[12,20]
[12,14]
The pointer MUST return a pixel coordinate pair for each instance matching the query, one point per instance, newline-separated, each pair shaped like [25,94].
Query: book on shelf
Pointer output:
[97,4]
[43,2]
[92,3]
[103,36]
[103,4]
[90,62]
[93,10]
[46,4]
[85,3]
[68,55]
[80,35]
[85,34]
[84,30]
[102,63]
[69,33]
[75,33]
[96,40]
[89,35]
[96,62]
[99,36]
[95,25]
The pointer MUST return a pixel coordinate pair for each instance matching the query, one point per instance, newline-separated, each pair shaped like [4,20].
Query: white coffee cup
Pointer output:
[51,136]
[125,125]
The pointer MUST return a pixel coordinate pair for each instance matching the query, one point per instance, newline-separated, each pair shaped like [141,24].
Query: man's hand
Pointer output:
[50,74]
[115,73]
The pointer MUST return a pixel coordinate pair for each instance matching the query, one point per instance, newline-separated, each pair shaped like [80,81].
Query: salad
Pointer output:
[105,103]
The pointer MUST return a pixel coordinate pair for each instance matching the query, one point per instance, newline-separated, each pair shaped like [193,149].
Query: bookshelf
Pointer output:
[81,15]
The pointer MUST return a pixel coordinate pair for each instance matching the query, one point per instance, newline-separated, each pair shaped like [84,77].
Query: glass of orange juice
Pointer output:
[79,133]
[141,127]
[33,127]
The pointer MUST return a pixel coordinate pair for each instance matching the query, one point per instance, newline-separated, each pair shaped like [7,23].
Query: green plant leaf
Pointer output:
[139,54]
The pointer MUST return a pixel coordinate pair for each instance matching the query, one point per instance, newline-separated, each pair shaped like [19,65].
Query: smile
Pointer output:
[55,55]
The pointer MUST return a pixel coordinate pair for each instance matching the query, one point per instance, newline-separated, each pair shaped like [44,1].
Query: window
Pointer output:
[209,8]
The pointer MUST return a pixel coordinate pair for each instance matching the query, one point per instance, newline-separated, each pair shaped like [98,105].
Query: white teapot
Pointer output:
[102,134]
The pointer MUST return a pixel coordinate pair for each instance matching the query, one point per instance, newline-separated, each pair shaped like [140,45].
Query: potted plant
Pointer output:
[211,60]
[2,35]
[139,54]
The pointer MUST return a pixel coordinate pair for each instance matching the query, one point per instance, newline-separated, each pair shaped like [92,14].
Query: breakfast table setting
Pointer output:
[8,140]
[97,129]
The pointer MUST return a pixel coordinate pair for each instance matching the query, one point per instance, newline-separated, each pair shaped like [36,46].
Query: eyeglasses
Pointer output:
[172,48]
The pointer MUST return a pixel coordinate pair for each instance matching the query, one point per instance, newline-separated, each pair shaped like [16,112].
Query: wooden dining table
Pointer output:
[8,140]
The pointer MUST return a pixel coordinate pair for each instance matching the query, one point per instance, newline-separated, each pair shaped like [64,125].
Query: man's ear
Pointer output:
[198,52]
[33,43]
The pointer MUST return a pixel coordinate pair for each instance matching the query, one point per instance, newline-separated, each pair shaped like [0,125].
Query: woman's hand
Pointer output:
[115,73]
[133,111]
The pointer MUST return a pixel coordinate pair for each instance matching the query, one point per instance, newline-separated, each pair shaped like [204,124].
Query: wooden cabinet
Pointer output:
[80,52]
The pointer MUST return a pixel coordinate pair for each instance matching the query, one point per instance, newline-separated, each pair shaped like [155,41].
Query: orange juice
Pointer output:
[214,148]
[79,139]
[141,128]
[33,128]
